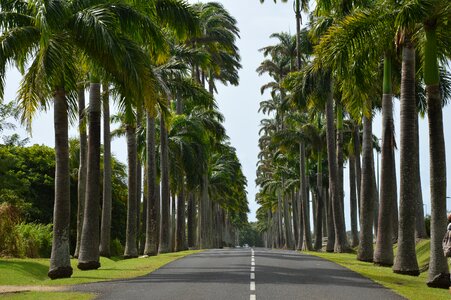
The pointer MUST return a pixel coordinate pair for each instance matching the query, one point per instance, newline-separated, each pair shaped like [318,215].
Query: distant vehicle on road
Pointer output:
[245,246]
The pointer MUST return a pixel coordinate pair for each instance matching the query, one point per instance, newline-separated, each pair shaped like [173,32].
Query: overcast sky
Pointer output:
[240,104]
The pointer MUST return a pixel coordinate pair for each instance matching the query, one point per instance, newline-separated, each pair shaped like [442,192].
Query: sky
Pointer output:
[240,104]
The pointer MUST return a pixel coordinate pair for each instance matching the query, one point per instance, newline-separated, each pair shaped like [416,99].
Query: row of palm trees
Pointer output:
[159,60]
[320,115]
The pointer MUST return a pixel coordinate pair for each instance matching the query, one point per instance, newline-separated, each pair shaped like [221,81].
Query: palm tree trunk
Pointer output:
[420,226]
[305,201]
[60,257]
[153,205]
[105,228]
[383,254]
[340,160]
[180,240]
[138,196]
[294,209]
[358,169]
[406,260]
[353,201]
[82,169]
[341,244]
[131,249]
[191,221]
[365,252]
[173,222]
[142,240]
[437,263]
[320,204]
[287,223]
[330,222]
[165,189]
[89,247]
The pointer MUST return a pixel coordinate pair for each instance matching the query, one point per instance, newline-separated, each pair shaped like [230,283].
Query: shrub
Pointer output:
[36,239]
[9,237]
[116,248]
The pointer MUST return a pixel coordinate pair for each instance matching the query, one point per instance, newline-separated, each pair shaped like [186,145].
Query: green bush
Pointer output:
[36,239]
[10,242]
[116,248]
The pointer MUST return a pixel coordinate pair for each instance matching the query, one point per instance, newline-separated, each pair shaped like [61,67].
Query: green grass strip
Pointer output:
[410,287]
[47,296]
[34,271]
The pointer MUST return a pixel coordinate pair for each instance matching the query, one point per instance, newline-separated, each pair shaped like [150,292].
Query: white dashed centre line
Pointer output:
[252,285]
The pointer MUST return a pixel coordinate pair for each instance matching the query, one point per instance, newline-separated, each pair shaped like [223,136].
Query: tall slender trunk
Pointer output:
[287,223]
[358,168]
[320,204]
[340,160]
[173,237]
[395,207]
[131,249]
[294,210]
[420,226]
[383,254]
[153,199]
[341,243]
[353,201]
[165,189]
[330,222]
[305,201]
[105,228]
[89,256]
[181,225]
[437,154]
[365,252]
[138,197]
[142,239]
[82,169]
[60,256]
[406,260]
[191,221]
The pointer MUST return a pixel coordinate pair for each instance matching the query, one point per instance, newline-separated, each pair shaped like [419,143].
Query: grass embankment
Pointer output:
[413,288]
[47,296]
[33,272]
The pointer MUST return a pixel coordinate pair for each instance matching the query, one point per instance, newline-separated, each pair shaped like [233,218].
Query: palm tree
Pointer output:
[89,246]
[153,204]
[81,190]
[405,260]
[105,228]
[131,249]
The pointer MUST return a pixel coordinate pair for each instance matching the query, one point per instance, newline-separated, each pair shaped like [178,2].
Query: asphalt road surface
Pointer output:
[247,274]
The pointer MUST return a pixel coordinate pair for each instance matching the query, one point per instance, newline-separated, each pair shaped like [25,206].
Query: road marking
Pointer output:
[252,285]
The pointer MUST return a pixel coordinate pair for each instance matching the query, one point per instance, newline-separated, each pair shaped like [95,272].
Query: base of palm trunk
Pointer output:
[61,272]
[383,264]
[89,265]
[128,256]
[407,272]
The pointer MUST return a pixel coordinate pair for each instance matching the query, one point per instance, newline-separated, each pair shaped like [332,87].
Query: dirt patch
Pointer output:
[31,288]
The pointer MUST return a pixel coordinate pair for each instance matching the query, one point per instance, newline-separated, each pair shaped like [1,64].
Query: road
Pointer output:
[245,274]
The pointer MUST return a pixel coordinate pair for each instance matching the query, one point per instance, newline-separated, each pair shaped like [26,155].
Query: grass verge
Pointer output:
[47,296]
[33,272]
[413,288]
